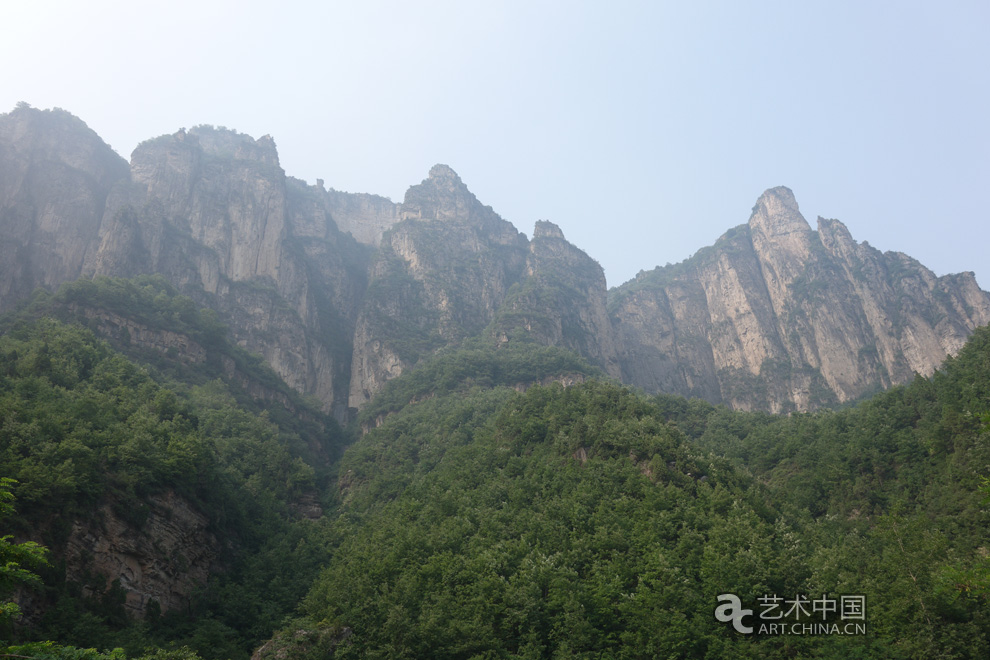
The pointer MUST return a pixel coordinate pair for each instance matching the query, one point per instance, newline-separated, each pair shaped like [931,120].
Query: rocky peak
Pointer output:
[443,196]
[58,137]
[547,229]
[225,143]
[55,174]
[445,176]
[835,236]
[776,213]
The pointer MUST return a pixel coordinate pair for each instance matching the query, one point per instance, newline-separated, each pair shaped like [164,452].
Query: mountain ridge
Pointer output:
[341,292]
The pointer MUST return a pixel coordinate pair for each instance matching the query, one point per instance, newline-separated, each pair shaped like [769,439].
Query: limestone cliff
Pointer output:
[340,292]
[162,560]
[560,301]
[212,210]
[365,217]
[217,215]
[440,274]
[780,317]
[55,174]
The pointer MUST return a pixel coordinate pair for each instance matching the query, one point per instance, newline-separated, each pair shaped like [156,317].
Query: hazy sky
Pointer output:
[643,129]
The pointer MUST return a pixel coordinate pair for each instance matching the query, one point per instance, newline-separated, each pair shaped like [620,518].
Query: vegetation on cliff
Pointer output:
[468,518]
[588,520]
[84,428]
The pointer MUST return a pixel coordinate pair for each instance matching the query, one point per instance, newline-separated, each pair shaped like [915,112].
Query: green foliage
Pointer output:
[52,651]
[588,521]
[472,520]
[152,303]
[17,560]
[147,299]
[891,492]
[81,427]
[560,521]
[475,363]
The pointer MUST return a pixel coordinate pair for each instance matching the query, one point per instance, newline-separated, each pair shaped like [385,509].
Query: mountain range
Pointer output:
[248,415]
[341,292]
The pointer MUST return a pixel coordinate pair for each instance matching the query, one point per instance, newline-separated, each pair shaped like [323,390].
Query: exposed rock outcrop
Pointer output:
[128,332]
[365,217]
[439,276]
[341,292]
[560,301]
[55,175]
[779,317]
[163,559]
[212,211]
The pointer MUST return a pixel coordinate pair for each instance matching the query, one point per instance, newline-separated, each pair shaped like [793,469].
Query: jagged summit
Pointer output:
[220,141]
[445,175]
[443,196]
[547,229]
[782,193]
[776,212]
[57,135]
[780,317]
[775,316]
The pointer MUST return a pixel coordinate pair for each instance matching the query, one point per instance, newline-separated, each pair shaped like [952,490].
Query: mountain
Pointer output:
[340,292]
[209,209]
[777,316]
[167,423]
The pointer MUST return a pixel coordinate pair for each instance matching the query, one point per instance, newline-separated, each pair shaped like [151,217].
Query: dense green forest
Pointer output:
[472,512]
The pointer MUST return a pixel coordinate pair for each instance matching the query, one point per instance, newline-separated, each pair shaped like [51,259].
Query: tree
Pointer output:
[14,557]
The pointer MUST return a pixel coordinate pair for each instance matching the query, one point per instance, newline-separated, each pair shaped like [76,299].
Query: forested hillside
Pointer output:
[496,501]
[171,508]
[589,520]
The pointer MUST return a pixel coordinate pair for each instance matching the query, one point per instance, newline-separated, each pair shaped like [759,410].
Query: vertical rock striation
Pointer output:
[439,276]
[340,292]
[55,174]
[212,210]
[560,301]
[777,316]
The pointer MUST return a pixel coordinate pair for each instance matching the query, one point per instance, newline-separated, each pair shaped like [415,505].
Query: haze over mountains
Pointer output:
[342,292]
[251,417]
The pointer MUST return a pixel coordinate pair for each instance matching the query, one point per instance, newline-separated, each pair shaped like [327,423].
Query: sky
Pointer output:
[644,130]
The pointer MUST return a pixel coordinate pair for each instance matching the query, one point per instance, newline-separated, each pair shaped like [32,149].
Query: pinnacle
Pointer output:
[777,212]
[440,172]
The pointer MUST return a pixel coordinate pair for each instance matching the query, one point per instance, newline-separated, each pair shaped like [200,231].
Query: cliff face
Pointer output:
[777,316]
[439,276]
[216,214]
[164,559]
[560,301]
[340,292]
[211,210]
[55,175]
[451,268]
[365,217]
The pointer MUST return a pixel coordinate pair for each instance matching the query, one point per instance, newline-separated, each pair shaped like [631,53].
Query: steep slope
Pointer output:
[451,269]
[155,498]
[217,215]
[561,301]
[779,317]
[341,292]
[562,521]
[212,211]
[55,174]
[439,276]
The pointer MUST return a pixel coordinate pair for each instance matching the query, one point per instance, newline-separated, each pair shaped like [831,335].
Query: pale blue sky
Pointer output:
[644,129]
